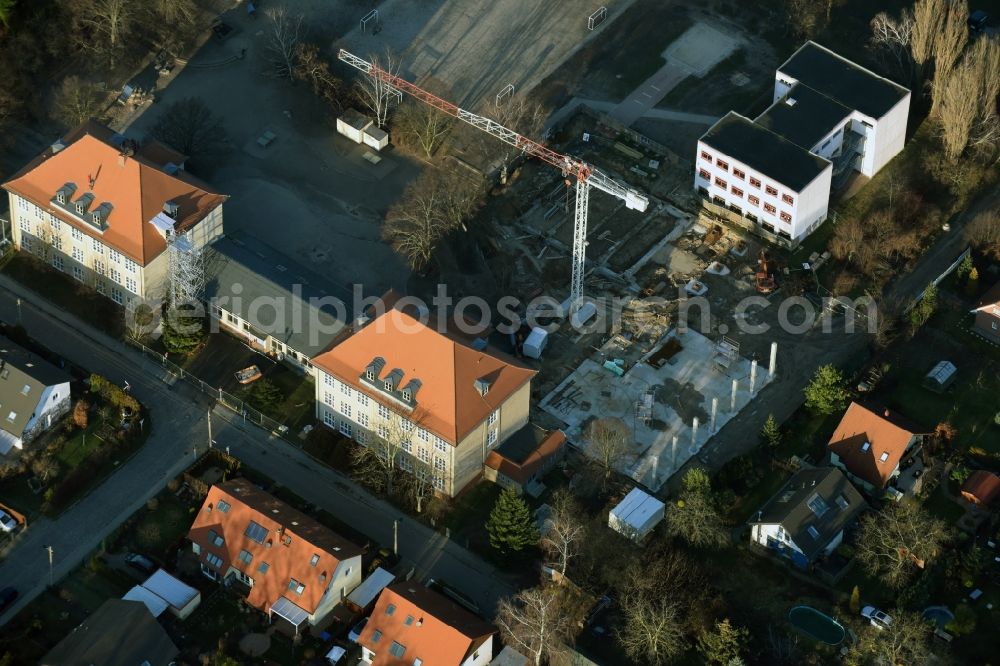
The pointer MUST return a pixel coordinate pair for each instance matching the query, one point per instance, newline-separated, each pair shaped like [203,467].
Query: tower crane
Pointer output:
[585,175]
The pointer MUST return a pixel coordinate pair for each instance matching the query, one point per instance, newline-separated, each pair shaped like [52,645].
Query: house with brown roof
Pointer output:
[522,460]
[292,566]
[987,311]
[101,208]
[398,380]
[869,444]
[412,624]
[982,488]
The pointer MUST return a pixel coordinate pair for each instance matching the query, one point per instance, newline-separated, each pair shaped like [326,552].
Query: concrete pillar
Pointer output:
[715,409]
[753,376]
[773,365]
[732,399]
[673,455]
[694,435]
[656,465]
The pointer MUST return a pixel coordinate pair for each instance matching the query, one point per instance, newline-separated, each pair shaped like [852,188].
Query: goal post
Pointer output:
[597,18]
[369,20]
[506,92]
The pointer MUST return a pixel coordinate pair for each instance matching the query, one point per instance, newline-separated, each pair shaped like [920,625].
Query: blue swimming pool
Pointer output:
[817,625]
[939,615]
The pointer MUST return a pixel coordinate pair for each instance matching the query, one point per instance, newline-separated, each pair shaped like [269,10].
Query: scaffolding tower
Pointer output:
[185,260]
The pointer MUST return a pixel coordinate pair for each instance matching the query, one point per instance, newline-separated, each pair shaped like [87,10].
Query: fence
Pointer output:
[224,398]
[945,273]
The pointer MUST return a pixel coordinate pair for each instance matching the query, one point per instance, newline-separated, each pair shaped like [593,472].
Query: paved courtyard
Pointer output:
[658,398]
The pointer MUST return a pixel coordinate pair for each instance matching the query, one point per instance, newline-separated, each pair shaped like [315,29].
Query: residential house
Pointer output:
[34,394]
[118,633]
[292,566]
[412,624]
[101,208]
[829,118]
[982,488]
[524,458]
[805,520]
[987,311]
[870,444]
[269,302]
[445,403]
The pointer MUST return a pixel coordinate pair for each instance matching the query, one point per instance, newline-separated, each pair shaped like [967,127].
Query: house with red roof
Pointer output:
[292,566]
[524,458]
[102,208]
[412,624]
[398,380]
[868,445]
[982,488]
[987,312]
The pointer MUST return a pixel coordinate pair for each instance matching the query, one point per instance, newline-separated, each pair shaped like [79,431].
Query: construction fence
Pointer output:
[224,398]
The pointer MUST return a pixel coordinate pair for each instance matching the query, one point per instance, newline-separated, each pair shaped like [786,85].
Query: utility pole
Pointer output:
[51,581]
[19,312]
[210,442]
[395,537]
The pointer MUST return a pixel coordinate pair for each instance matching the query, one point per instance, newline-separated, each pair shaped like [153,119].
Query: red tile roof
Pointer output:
[885,433]
[288,544]
[448,402]
[990,299]
[136,187]
[427,625]
[521,462]
[982,487]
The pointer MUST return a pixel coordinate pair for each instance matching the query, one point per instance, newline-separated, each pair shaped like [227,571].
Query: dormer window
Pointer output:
[80,209]
[392,380]
[97,217]
[482,386]
[374,369]
[388,385]
[61,197]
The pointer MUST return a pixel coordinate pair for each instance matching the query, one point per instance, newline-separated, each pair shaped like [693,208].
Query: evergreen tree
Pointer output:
[855,600]
[826,393]
[723,644]
[510,525]
[770,434]
[182,333]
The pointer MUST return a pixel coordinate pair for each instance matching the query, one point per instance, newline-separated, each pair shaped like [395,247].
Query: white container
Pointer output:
[535,344]
[636,515]
[375,137]
[352,125]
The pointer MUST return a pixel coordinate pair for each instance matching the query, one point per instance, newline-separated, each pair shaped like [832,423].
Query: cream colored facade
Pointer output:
[38,230]
[356,414]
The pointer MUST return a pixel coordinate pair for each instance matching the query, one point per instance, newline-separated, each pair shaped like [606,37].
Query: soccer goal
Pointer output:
[597,18]
[508,91]
[370,22]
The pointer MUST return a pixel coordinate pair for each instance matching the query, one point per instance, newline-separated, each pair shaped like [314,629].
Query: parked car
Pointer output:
[7,596]
[7,522]
[140,562]
[356,630]
[879,619]
[977,20]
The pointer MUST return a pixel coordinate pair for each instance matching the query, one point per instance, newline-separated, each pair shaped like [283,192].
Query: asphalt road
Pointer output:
[180,431]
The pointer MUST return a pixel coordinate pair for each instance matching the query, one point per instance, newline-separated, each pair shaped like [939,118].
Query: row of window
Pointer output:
[741,175]
[97,246]
[752,199]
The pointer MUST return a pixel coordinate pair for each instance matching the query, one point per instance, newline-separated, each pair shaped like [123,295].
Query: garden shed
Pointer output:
[940,377]
[636,515]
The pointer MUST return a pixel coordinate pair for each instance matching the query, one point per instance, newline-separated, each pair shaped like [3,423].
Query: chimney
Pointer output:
[886,413]
[122,159]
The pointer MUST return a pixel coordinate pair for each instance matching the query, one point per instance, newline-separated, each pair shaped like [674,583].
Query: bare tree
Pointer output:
[957,109]
[653,631]
[905,641]
[535,621]
[525,117]
[608,438]
[76,101]
[378,460]
[374,93]
[984,232]
[419,482]
[897,541]
[107,24]
[565,531]
[416,224]
[927,17]
[421,126]
[45,468]
[283,35]
[948,47]
[189,126]
[463,196]
[174,12]
[314,69]
[891,39]
[805,17]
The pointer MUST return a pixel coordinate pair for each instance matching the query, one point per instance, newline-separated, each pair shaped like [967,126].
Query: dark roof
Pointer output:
[19,368]
[264,274]
[983,485]
[761,149]
[803,116]
[443,609]
[119,633]
[990,298]
[526,451]
[823,487]
[852,85]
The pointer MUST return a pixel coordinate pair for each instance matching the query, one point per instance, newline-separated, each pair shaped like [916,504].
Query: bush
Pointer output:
[964,622]
[152,504]
[148,535]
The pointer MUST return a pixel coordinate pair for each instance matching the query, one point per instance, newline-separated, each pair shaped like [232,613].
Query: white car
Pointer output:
[7,522]
[879,619]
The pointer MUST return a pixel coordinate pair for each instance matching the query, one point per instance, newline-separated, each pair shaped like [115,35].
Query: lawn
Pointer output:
[159,529]
[942,506]
[80,445]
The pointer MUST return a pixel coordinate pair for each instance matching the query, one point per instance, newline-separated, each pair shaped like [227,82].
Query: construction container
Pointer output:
[376,137]
[534,345]
[636,515]
[352,125]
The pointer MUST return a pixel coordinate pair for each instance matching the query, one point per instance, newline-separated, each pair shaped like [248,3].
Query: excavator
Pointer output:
[764,277]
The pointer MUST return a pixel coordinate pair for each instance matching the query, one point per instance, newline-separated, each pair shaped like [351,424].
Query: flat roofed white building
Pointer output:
[829,118]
